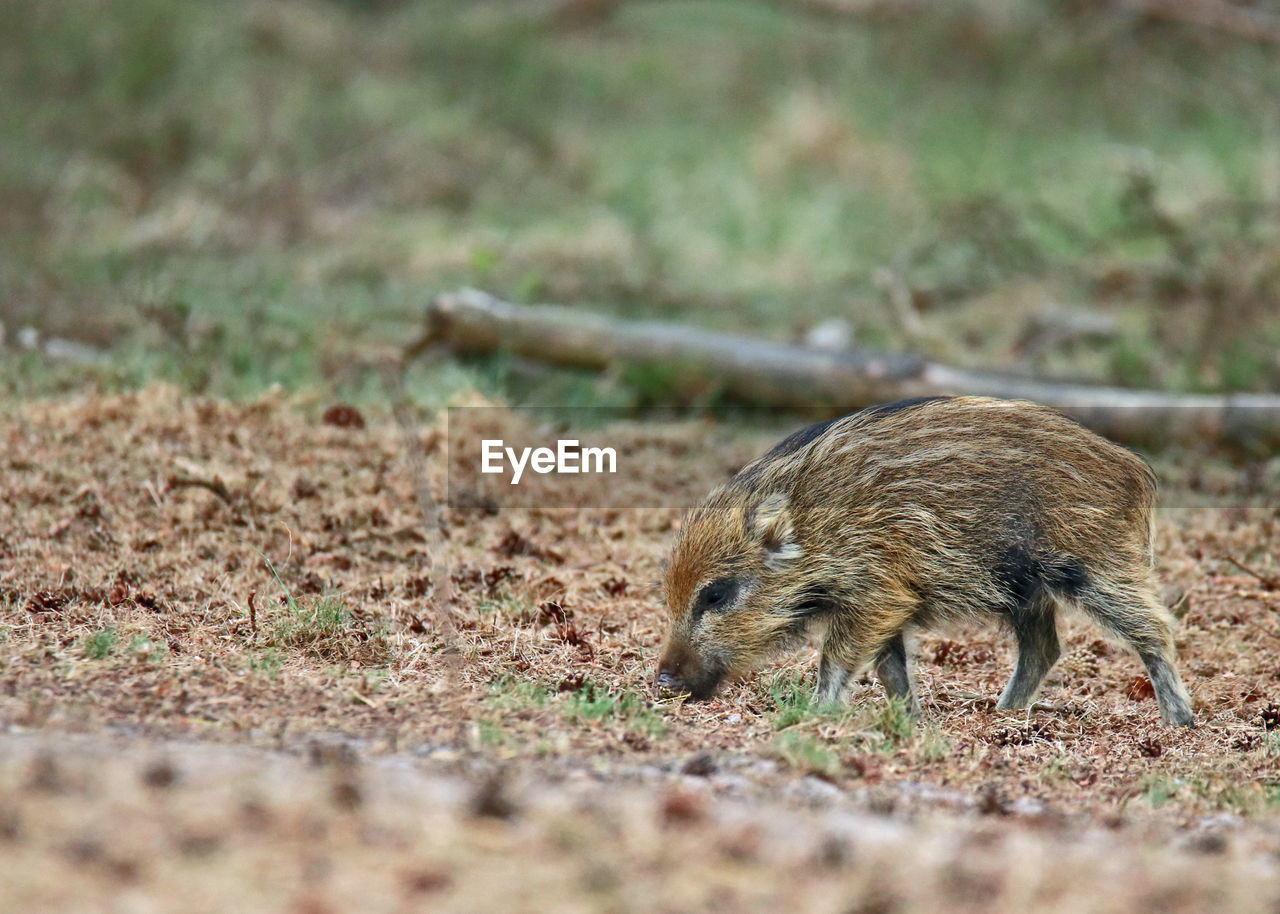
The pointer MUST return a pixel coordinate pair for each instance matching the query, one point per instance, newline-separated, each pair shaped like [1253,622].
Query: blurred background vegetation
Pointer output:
[228,195]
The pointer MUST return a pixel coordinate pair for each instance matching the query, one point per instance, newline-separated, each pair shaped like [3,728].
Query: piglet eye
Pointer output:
[717,593]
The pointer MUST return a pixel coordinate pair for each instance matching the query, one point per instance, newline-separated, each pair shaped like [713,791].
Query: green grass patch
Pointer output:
[593,702]
[877,725]
[312,626]
[792,700]
[887,721]
[515,693]
[100,644]
[325,627]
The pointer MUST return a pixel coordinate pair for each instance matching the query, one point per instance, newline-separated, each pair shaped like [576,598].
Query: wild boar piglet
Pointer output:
[914,515]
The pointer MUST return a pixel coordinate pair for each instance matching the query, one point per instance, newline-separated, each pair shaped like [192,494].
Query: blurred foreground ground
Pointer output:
[115,824]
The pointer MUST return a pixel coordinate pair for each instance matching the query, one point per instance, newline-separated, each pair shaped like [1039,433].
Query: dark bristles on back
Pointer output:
[888,409]
[796,440]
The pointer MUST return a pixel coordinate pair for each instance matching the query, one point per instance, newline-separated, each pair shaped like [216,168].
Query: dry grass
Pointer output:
[138,532]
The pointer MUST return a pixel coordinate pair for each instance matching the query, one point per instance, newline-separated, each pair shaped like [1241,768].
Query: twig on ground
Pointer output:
[253,614]
[214,485]
[989,703]
[1250,22]
[1056,708]
[1267,581]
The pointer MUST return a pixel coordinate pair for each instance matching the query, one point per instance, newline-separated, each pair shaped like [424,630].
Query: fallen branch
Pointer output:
[859,9]
[575,13]
[1267,581]
[1052,328]
[784,375]
[1238,20]
[1250,22]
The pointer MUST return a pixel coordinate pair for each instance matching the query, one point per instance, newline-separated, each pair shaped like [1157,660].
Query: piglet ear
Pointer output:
[771,524]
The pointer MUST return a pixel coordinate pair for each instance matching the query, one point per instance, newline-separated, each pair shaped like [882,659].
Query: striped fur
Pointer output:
[912,515]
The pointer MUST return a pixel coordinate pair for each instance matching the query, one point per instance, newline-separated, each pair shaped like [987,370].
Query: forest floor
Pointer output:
[222,679]
[226,681]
